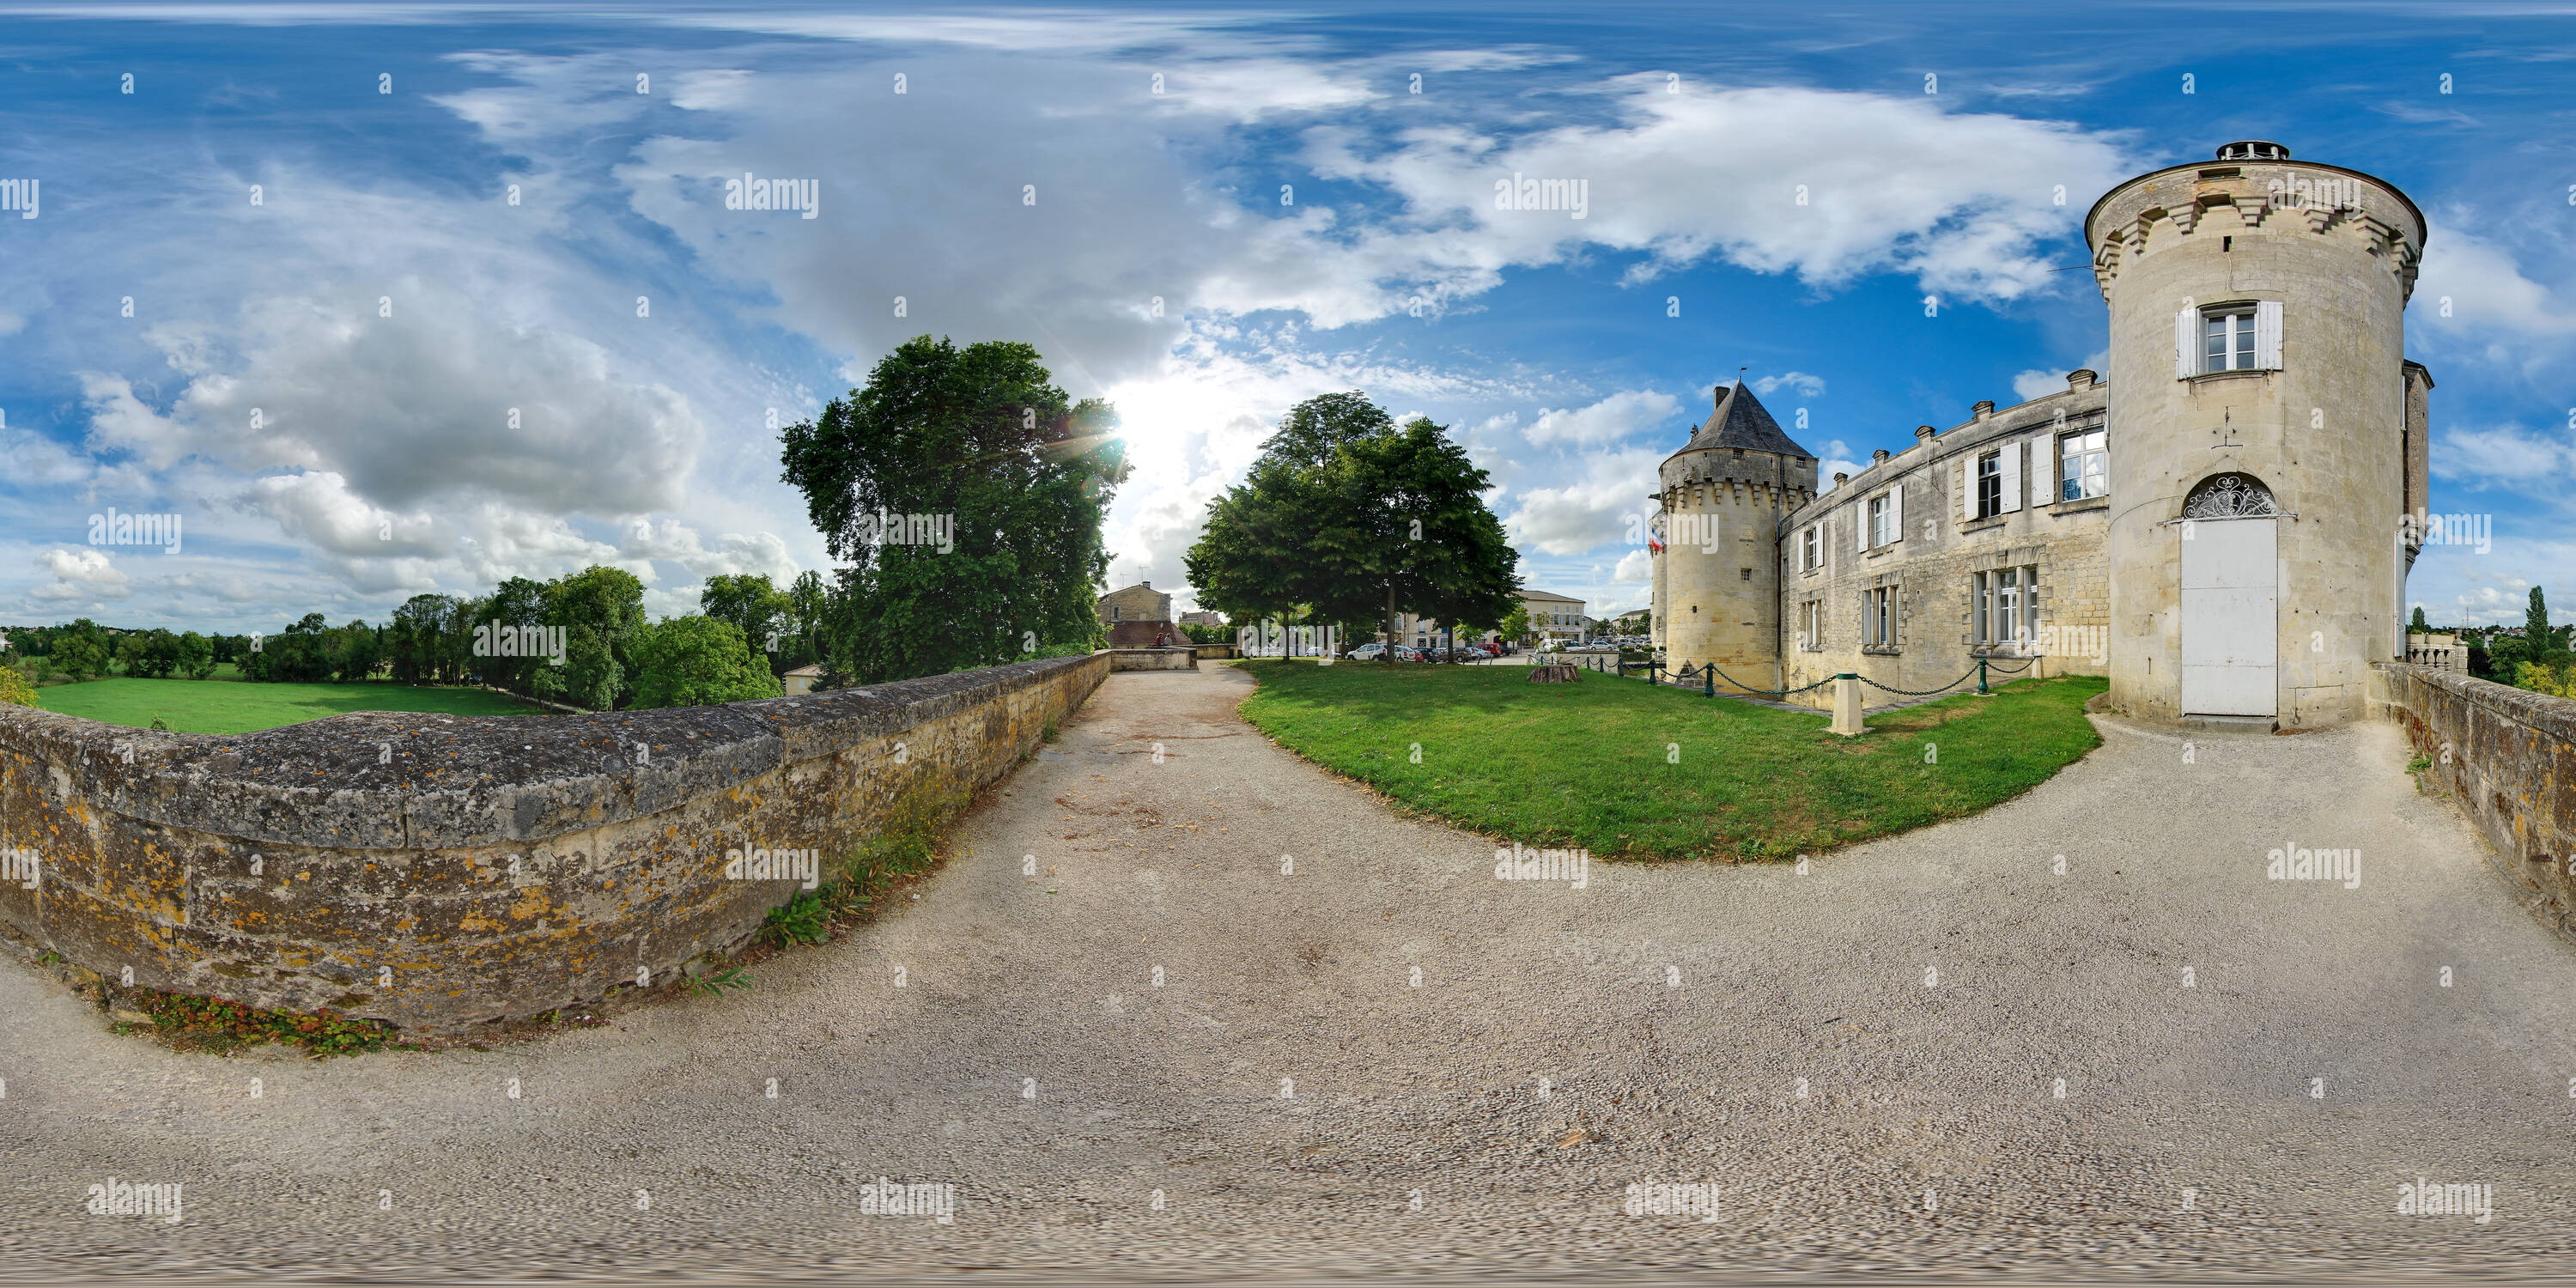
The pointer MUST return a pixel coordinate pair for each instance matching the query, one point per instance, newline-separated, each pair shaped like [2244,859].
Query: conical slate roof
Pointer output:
[1740,421]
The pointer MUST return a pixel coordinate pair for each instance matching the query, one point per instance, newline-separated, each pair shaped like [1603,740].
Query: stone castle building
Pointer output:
[2218,526]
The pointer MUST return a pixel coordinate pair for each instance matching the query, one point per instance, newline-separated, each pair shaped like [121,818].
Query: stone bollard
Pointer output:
[1847,705]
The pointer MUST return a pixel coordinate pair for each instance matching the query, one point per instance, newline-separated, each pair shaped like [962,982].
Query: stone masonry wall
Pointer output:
[1931,563]
[2508,757]
[436,871]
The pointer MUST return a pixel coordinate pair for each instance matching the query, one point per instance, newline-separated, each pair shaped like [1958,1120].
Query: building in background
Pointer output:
[2219,527]
[1137,617]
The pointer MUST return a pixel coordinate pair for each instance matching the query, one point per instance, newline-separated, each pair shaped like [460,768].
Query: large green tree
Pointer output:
[697,661]
[600,610]
[761,611]
[82,650]
[1361,519]
[1009,480]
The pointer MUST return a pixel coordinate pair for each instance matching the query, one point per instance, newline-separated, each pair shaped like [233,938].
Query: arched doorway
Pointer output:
[2231,622]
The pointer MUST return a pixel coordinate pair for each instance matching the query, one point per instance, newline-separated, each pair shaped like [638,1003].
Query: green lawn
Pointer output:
[215,706]
[1586,764]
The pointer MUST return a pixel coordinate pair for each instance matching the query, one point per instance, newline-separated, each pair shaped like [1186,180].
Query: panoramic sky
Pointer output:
[398,298]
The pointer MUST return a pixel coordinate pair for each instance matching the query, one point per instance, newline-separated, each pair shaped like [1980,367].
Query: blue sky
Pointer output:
[1306,220]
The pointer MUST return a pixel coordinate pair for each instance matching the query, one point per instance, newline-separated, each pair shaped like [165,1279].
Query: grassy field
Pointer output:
[215,706]
[1591,763]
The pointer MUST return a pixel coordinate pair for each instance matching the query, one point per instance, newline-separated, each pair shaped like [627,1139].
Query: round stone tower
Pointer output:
[2259,435]
[1717,577]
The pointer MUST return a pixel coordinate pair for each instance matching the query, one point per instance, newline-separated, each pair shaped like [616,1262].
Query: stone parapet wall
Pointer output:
[439,870]
[2508,756]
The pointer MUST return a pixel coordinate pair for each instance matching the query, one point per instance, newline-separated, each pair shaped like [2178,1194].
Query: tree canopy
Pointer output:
[1358,518]
[965,493]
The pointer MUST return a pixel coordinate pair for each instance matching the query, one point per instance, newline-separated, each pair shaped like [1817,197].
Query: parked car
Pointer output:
[1366,653]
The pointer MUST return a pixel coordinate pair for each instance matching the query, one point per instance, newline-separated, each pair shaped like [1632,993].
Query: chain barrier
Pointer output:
[1708,671]
[1910,693]
[2016,670]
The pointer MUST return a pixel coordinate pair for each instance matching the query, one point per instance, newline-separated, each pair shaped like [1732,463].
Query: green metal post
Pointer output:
[1708,681]
[1981,675]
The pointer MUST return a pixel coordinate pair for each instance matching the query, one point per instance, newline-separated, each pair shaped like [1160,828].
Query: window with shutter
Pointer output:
[2186,344]
[2267,335]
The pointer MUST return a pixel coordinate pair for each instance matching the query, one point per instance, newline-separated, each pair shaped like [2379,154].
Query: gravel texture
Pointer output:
[1305,1109]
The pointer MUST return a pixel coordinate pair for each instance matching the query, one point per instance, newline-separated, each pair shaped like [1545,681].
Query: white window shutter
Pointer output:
[2267,334]
[2043,472]
[1959,483]
[2012,477]
[1896,510]
[2186,343]
[1860,521]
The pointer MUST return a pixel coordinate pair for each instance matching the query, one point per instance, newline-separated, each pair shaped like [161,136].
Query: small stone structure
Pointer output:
[2442,652]
[1555,673]
[1183,658]
[2508,756]
[437,871]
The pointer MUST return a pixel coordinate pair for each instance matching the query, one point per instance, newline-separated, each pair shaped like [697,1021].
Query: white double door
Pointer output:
[2231,623]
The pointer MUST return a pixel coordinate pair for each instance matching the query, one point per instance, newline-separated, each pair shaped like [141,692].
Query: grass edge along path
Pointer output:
[1632,771]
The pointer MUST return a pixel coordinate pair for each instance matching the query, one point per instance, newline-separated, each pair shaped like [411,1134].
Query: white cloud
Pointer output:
[1637,567]
[81,575]
[1593,510]
[2506,456]
[734,553]
[1608,421]
[1963,202]
[1837,458]
[37,461]
[2040,382]
[318,506]
[1806,385]
[2474,302]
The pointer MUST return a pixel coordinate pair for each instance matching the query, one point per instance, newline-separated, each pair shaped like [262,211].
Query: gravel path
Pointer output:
[1300,1103]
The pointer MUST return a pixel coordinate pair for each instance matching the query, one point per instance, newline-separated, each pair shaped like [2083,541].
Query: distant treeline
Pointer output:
[581,640]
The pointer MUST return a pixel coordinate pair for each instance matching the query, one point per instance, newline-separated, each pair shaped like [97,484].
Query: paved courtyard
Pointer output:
[1243,1016]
